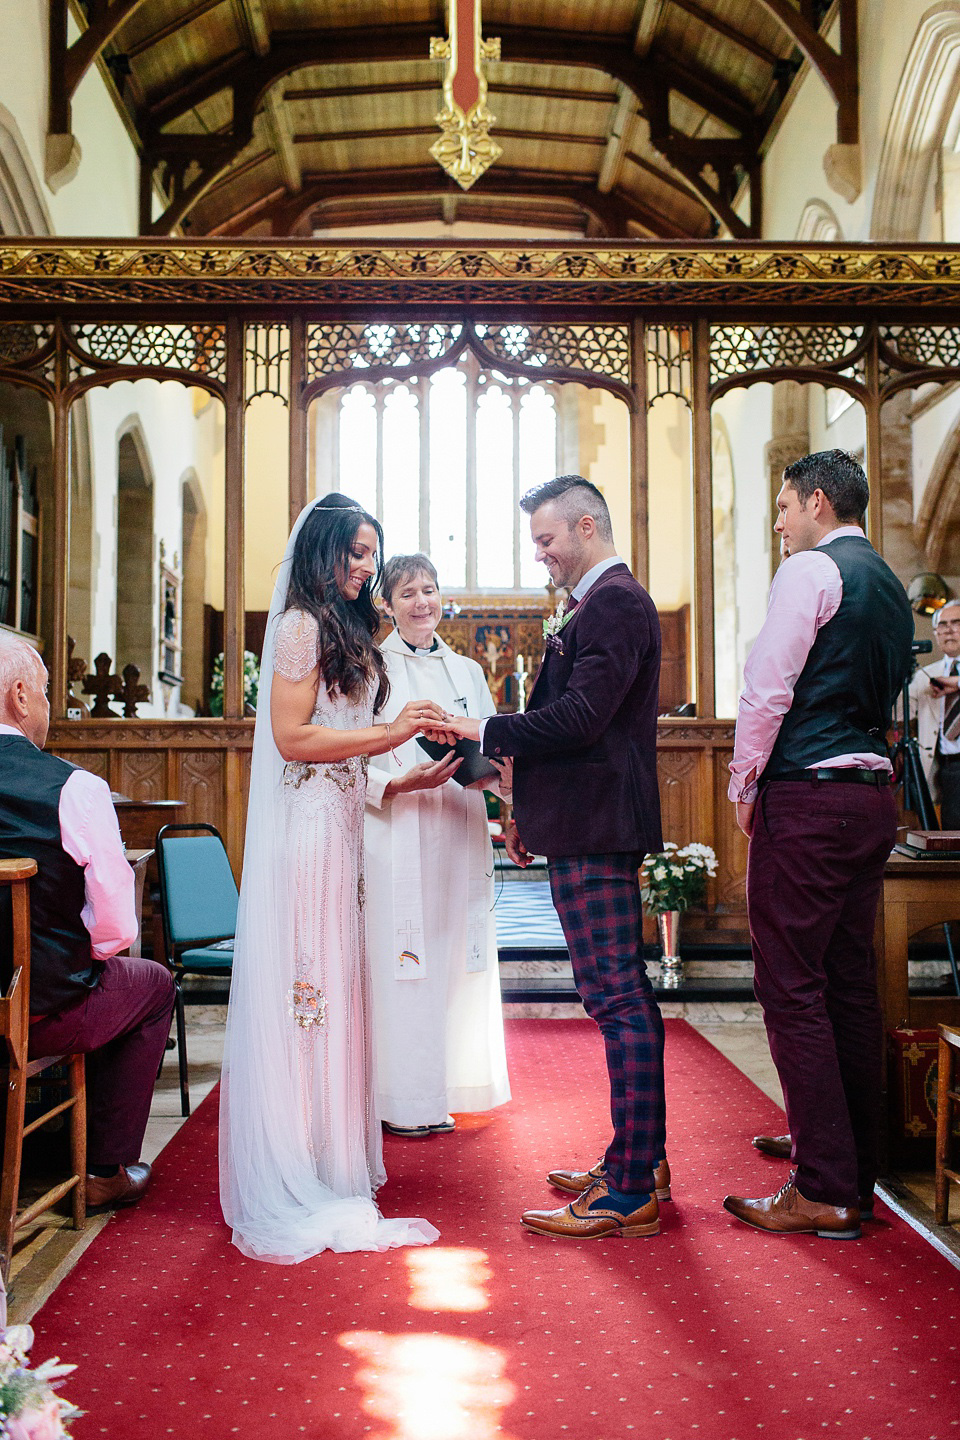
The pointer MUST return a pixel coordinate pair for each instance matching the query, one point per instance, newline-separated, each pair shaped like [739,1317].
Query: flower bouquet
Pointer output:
[30,1409]
[675,879]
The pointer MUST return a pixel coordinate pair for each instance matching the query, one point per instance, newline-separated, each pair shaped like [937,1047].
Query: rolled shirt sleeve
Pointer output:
[90,835]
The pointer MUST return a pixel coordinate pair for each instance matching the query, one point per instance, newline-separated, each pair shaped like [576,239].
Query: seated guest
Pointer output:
[84,998]
[431,937]
[934,690]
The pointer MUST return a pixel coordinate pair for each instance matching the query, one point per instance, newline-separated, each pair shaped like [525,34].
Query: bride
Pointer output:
[300,1140]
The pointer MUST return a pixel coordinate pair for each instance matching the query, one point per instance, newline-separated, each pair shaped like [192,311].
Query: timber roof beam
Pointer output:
[287,214]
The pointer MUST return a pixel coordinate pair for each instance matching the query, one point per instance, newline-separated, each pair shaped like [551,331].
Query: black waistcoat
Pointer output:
[845,693]
[62,967]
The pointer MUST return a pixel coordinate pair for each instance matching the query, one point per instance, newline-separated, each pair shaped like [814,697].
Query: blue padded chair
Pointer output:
[198,906]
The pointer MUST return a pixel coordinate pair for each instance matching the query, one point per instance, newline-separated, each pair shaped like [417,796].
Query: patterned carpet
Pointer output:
[526,919]
[710,1331]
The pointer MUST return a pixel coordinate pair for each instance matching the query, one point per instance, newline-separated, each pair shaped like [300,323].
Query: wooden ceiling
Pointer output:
[616,118]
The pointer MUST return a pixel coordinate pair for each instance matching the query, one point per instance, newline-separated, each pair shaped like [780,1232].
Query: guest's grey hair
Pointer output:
[938,614]
[19,661]
[401,568]
[574,497]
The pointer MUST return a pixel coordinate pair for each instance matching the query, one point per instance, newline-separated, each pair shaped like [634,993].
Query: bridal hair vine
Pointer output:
[343,509]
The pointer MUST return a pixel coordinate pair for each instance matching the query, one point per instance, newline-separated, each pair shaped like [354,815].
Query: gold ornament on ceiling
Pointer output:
[465,149]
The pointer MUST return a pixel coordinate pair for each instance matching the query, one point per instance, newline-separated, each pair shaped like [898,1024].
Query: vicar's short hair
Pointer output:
[838,475]
[19,661]
[401,568]
[574,497]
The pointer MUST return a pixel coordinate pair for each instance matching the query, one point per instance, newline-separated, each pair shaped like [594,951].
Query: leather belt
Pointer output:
[845,776]
[947,759]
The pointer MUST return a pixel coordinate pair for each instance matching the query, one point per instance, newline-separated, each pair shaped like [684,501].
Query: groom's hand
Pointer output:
[515,847]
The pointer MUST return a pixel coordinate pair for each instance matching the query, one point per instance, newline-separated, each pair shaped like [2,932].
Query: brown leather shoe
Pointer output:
[124,1188]
[789,1213]
[579,1222]
[779,1146]
[576,1181]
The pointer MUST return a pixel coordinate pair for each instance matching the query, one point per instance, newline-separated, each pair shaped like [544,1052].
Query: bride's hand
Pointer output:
[416,717]
[428,776]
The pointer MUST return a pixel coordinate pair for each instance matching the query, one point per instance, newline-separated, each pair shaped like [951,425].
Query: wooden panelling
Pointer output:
[206,764]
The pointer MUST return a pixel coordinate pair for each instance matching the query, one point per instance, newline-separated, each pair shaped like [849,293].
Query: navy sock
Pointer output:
[623,1201]
[103,1172]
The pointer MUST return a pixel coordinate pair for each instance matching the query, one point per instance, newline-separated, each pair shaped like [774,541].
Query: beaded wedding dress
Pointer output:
[300,1140]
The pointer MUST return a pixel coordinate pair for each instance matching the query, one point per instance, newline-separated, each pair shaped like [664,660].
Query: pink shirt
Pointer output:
[90,835]
[805,594]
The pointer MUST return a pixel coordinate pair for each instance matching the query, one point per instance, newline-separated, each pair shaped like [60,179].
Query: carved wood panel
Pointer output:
[207,765]
[96,761]
[200,785]
[679,772]
[141,774]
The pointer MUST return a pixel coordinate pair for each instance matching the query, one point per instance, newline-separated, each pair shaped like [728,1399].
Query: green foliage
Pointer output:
[251,682]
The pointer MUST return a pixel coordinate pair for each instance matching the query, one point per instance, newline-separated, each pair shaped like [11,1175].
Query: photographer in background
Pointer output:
[935,690]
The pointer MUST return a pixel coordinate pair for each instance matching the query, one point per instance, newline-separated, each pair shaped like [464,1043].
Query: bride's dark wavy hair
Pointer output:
[349,659]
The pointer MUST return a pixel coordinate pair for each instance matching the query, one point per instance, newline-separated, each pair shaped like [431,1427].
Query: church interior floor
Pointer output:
[46,1251]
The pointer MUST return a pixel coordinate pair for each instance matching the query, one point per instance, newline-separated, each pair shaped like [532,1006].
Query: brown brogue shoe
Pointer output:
[790,1213]
[576,1181]
[124,1188]
[588,1218]
[780,1147]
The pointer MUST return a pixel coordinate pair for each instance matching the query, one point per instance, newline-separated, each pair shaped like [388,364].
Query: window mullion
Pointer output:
[380,399]
[471,516]
[515,398]
[423,389]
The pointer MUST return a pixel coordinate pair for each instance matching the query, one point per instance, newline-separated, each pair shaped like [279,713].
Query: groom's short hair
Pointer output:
[575,497]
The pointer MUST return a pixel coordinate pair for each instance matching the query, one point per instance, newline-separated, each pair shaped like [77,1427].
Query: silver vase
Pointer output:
[671,965]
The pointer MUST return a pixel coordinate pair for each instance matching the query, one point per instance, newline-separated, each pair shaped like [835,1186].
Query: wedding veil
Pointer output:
[270,1192]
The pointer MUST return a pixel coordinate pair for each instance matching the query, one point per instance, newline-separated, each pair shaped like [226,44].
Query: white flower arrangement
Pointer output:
[30,1408]
[675,879]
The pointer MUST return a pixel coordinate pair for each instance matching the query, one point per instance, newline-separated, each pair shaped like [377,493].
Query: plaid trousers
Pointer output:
[598,900]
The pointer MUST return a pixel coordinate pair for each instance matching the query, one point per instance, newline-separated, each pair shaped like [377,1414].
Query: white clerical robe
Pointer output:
[431,933]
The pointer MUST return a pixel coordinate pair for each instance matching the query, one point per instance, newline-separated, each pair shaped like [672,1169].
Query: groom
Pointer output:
[586,796]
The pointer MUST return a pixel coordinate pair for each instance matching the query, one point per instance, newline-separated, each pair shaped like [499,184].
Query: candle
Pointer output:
[519,667]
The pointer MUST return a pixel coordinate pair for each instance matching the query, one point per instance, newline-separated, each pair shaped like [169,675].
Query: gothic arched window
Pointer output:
[442,460]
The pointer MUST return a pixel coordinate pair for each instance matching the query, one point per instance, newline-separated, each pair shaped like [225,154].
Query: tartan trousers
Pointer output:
[598,900]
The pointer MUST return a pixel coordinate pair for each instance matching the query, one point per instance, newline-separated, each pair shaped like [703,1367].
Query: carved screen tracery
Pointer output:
[740,350]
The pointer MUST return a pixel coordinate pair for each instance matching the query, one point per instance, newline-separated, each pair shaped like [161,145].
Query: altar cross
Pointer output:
[104,686]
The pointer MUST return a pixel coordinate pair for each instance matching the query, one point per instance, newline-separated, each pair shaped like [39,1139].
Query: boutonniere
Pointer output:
[554,623]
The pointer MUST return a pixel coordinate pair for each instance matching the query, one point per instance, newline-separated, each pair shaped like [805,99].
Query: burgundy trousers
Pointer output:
[122,1026]
[814,876]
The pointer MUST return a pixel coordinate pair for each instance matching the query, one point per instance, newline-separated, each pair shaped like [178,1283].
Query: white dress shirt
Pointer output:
[90,835]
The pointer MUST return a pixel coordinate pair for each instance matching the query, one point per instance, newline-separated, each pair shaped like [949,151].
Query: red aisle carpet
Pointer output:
[711,1330]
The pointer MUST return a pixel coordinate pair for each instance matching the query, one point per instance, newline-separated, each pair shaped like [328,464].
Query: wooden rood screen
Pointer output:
[296,319]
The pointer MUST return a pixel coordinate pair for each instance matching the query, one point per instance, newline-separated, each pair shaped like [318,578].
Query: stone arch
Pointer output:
[84,542]
[194,570]
[937,526]
[22,211]
[818,222]
[725,614]
[922,110]
[136,578]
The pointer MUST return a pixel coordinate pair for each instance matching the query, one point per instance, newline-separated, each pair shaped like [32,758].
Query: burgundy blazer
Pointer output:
[585,771]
